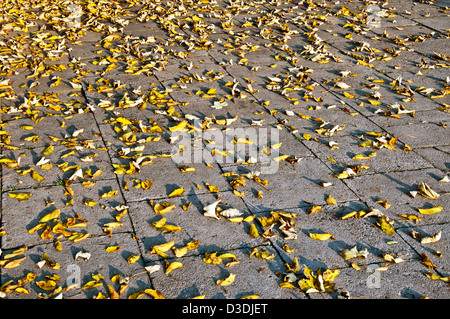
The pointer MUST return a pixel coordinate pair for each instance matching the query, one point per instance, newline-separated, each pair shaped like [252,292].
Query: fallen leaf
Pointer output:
[50,216]
[172,266]
[177,192]
[210,210]
[386,225]
[253,231]
[427,192]
[354,252]
[20,196]
[226,281]
[132,258]
[431,239]
[113,249]
[317,236]
[431,211]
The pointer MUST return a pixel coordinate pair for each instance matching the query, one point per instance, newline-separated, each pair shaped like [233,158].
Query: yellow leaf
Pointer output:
[35,175]
[162,248]
[109,194]
[20,196]
[331,201]
[46,284]
[349,95]
[281,158]
[179,127]
[177,192]
[325,236]
[251,296]
[360,157]
[212,188]
[154,293]
[91,284]
[173,266]
[48,150]
[431,211]
[27,127]
[113,249]
[286,285]
[89,202]
[426,191]
[50,216]
[253,231]
[374,102]
[113,225]
[14,263]
[132,258]
[163,208]
[385,225]
[226,281]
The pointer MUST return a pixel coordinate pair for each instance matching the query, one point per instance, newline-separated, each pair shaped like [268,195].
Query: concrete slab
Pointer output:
[21,217]
[379,161]
[395,187]
[87,159]
[290,187]
[71,271]
[166,177]
[327,254]
[252,276]
[400,281]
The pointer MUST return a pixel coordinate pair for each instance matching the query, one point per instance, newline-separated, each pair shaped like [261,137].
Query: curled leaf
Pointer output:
[354,252]
[172,266]
[431,239]
[427,192]
[431,211]
[226,281]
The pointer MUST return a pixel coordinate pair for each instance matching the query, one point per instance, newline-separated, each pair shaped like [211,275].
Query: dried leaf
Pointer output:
[20,196]
[177,192]
[113,249]
[226,281]
[427,192]
[50,216]
[253,231]
[172,266]
[386,225]
[210,210]
[432,239]
[325,236]
[354,252]
[431,211]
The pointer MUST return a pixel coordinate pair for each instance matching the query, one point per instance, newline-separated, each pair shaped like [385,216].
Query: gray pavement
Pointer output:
[130,132]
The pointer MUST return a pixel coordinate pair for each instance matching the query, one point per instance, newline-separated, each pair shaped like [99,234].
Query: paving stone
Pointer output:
[20,217]
[327,254]
[289,187]
[83,125]
[382,160]
[440,24]
[253,276]
[437,156]
[421,135]
[400,281]
[395,187]
[85,158]
[164,169]
[73,271]
[430,249]
[224,234]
